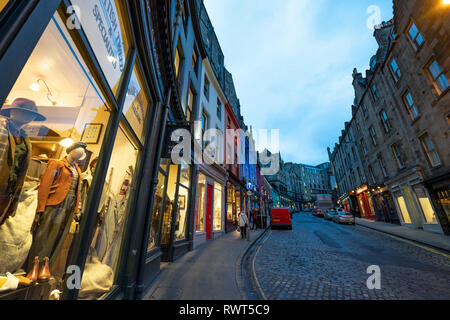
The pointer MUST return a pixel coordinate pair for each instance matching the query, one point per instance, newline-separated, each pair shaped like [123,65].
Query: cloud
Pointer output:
[292,63]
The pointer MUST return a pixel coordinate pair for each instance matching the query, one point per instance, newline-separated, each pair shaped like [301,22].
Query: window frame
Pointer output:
[395,149]
[396,73]
[427,152]
[413,41]
[410,107]
[435,80]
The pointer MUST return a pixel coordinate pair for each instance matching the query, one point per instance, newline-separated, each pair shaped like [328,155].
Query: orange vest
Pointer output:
[55,184]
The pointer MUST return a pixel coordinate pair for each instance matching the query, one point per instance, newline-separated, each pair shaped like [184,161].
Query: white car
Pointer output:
[344,217]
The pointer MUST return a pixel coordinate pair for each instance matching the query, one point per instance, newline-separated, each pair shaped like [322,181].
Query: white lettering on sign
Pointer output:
[102,27]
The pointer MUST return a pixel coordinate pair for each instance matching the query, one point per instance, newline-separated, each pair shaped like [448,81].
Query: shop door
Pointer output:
[209,211]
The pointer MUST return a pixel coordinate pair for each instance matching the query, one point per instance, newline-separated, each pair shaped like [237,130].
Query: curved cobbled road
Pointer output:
[321,260]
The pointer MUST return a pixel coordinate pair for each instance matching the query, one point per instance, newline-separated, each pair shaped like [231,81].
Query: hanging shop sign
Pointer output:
[100,21]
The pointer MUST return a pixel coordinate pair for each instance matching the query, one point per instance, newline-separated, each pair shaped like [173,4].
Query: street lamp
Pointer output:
[249,194]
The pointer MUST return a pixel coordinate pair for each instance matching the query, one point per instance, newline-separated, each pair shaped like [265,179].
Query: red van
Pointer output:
[280,217]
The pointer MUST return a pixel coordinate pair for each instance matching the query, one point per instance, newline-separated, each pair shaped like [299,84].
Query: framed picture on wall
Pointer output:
[91,133]
[181,202]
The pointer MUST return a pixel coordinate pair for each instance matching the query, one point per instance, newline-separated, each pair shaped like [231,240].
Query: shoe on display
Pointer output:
[33,274]
[44,273]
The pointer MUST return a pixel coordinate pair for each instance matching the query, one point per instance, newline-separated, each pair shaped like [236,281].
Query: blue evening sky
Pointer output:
[292,63]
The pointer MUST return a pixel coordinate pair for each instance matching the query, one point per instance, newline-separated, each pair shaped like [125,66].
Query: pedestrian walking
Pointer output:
[243,223]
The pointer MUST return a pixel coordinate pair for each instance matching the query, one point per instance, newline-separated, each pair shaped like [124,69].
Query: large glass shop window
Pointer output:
[104,26]
[102,262]
[136,104]
[169,204]
[157,211]
[51,130]
[183,201]
[3,4]
[217,206]
[201,198]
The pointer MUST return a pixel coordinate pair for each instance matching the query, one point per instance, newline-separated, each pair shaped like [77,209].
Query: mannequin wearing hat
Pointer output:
[15,152]
[58,197]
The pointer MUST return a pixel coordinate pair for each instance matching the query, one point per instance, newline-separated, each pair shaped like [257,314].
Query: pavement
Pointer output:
[211,272]
[439,241]
[321,260]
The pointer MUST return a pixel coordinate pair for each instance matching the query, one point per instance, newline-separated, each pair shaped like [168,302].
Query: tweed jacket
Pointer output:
[55,184]
[8,201]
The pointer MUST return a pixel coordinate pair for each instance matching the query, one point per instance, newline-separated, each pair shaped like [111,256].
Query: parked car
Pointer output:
[344,217]
[330,214]
[318,213]
[280,218]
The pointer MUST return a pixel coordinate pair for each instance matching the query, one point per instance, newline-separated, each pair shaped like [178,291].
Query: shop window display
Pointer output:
[217,207]
[102,262]
[169,204]
[200,221]
[425,204]
[157,211]
[136,105]
[183,201]
[51,131]
[402,206]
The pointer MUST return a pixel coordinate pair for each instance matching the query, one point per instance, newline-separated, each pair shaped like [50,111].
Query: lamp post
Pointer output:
[249,194]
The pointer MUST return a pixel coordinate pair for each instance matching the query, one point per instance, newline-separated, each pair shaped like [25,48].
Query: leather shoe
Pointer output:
[33,274]
[44,273]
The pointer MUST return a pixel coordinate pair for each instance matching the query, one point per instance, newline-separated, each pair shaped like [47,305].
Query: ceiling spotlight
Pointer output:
[35,87]
[66,143]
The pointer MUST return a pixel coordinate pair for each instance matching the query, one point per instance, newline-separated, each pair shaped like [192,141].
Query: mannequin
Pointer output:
[15,152]
[58,198]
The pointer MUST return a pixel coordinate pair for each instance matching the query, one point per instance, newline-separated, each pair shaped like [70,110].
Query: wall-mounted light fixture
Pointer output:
[36,87]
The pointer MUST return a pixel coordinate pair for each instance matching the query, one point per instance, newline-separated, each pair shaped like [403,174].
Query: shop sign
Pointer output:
[101,24]
[362,189]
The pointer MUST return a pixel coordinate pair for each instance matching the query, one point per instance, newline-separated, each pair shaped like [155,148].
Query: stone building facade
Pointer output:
[401,123]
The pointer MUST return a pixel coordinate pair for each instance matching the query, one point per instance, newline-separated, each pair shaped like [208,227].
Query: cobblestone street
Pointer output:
[322,260]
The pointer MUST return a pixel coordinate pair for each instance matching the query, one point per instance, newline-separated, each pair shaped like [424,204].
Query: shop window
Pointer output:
[157,211]
[3,4]
[200,220]
[53,125]
[107,31]
[112,216]
[136,104]
[217,206]
[169,204]
[183,202]
[425,205]
[403,209]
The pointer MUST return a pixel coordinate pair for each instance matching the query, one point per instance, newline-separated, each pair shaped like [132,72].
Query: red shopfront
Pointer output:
[365,203]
